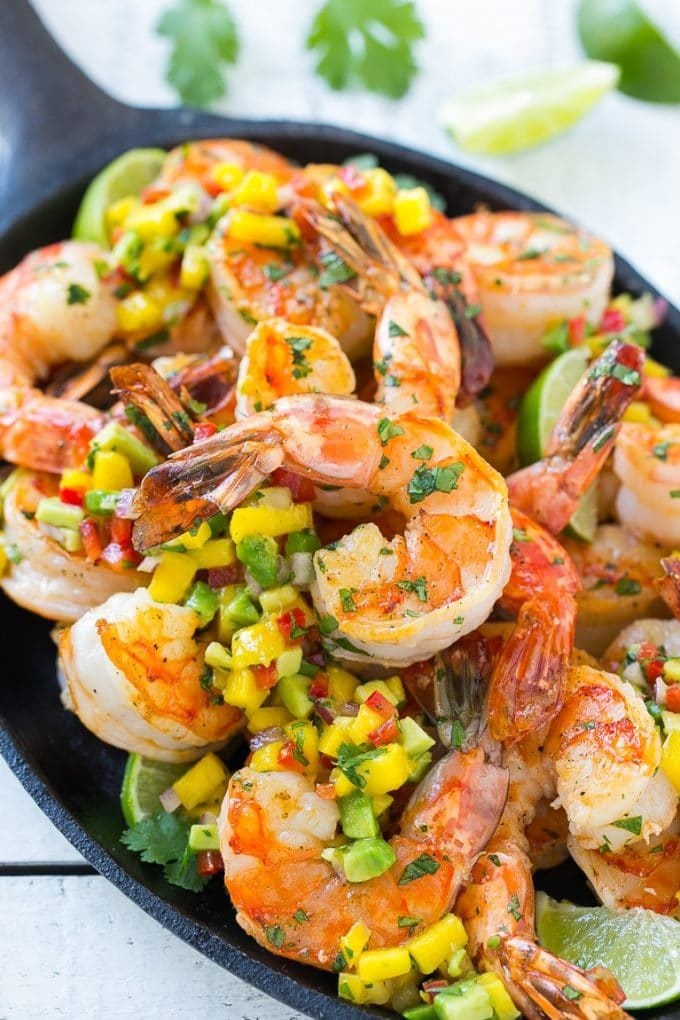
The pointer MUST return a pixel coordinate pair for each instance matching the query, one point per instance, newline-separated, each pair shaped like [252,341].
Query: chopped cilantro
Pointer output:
[627,586]
[77,295]
[335,270]
[633,825]
[347,600]
[388,430]
[419,587]
[424,452]
[298,345]
[514,907]
[394,329]
[327,624]
[425,480]
[350,757]
[275,935]
[422,865]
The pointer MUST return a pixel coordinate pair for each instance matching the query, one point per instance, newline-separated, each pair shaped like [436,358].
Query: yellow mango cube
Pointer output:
[198,783]
[335,735]
[396,686]
[257,645]
[341,684]
[652,367]
[670,758]
[219,552]
[227,175]
[378,200]
[386,772]
[503,1006]
[268,231]
[111,471]
[269,521]
[264,718]
[364,723]
[73,479]
[352,988]
[258,191]
[266,759]
[343,786]
[383,964]
[354,942]
[118,212]
[364,691]
[152,220]
[638,412]
[276,600]
[671,670]
[195,268]
[172,577]
[138,313]
[429,949]
[412,211]
[241,690]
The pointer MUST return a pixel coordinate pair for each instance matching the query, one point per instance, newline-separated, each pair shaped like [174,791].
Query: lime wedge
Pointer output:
[143,783]
[620,31]
[126,175]
[511,114]
[539,410]
[641,948]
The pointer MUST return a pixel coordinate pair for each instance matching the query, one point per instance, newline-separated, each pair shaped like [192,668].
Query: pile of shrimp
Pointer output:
[374,365]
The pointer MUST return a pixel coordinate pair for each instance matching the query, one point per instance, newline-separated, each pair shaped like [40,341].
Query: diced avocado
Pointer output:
[289,662]
[101,502]
[114,437]
[241,609]
[414,738]
[367,858]
[52,511]
[294,691]
[259,553]
[423,1012]
[216,655]
[302,541]
[204,602]
[465,1000]
[203,837]
[71,540]
[357,818]
[419,766]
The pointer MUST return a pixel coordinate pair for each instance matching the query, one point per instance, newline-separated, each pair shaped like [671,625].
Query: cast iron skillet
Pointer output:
[57,130]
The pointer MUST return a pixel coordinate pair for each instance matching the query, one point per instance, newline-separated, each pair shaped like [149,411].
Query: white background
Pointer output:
[74,947]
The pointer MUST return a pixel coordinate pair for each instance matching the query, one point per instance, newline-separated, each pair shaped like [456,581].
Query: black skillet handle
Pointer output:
[54,122]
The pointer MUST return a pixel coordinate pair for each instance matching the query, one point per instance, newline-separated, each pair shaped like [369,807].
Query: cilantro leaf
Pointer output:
[370,42]
[184,873]
[158,840]
[204,37]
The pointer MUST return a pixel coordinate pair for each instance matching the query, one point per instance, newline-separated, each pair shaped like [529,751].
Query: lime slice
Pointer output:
[512,114]
[143,783]
[127,175]
[539,410]
[619,31]
[641,948]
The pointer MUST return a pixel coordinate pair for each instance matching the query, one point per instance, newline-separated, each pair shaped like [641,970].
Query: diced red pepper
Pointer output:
[209,862]
[386,733]
[286,757]
[577,330]
[613,321]
[204,430]
[74,497]
[380,704]
[302,490]
[650,661]
[673,698]
[319,687]
[291,621]
[121,530]
[265,676]
[326,791]
[92,543]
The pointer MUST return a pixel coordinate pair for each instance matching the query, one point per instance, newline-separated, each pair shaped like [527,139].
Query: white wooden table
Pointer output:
[71,945]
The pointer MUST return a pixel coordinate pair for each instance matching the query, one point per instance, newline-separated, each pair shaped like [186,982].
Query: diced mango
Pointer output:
[670,758]
[671,670]
[412,211]
[198,783]
[341,684]
[352,988]
[366,721]
[343,787]
[195,268]
[638,412]
[155,219]
[503,1006]
[652,367]
[266,759]
[111,471]
[241,690]
[386,772]
[264,718]
[4,559]
[335,735]
[306,739]
[227,175]
[118,212]
[268,231]
[219,552]
[172,577]
[383,964]
[378,197]
[258,191]
[139,313]
[257,645]
[381,803]
[354,942]
[396,686]
[73,479]
[429,949]
[217,655]
[276,600]
[364,691]
[193,539]
[263,520]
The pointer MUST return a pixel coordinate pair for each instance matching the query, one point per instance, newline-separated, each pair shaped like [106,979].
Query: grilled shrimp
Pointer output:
[392,599]
[647,463]
[133,669]
[581,440]
[533,270]
[606,751]
[282,359]
[195,162]
[619,574]
[42,576]
[273,827]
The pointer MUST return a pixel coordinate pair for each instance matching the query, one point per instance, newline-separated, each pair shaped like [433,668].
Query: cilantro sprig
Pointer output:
[164,839]
[204,40]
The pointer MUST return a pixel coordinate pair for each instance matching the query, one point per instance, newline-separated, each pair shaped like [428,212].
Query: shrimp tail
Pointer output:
[527,684]
[152,406]
[88,381]
[193,484]
[549,987]
[477,361]
[669,585]
[581,440]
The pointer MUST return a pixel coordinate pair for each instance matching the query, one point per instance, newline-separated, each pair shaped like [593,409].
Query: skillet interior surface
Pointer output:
[73,777]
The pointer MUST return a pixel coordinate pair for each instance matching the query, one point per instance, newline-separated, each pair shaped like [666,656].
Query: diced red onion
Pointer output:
[220,577]
[252,587]
[169,800]
[349,708]
[265,737]
[124,504]
[282,570]
[318,659]
[208,818]
[324,711]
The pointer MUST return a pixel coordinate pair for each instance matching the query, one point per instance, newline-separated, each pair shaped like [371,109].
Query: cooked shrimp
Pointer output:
[282,359]
[54,307]
[606,752]
[273,827]
[398,599]
[644,641]
[42,576]
[532,271]
[581,440]
[669,584]
[642,874]
[620,576]
[133,668]
[662,395]
[527,682]
[196,162]
[45,433]
[647,463]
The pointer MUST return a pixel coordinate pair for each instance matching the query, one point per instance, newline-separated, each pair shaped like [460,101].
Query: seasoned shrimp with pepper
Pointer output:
[133,669]
[391,599]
